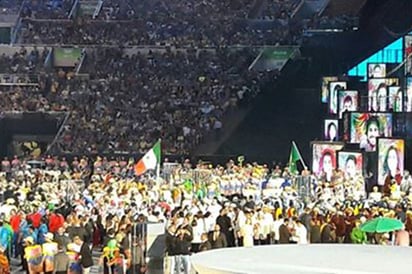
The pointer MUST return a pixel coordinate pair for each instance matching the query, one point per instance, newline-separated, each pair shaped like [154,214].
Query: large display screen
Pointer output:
[366,127]
[391,160]
[408,54]
[378,93]
[334,88]
[376,71]
[331,130]
[395,99]
[66,57]
[348,101]
[325,87]
[351,163]
[408,94]
[324,158]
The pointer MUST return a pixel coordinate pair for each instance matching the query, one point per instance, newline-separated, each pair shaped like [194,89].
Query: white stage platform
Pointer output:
[305,259]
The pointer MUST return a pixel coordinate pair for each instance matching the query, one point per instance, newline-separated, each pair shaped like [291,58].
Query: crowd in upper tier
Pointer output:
[122,105]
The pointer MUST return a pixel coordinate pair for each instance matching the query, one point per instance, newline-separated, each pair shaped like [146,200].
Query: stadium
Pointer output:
[215,136]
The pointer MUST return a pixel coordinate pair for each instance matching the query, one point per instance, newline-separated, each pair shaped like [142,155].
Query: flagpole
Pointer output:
[300,156]
[158,166]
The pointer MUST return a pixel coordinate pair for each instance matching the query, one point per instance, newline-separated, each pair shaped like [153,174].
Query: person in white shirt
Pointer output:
[301,233]
[275,228]
[209,222]
[198,227]
[246,232]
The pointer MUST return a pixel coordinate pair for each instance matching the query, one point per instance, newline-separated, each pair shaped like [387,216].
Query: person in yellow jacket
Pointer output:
[33,255]
[49,249]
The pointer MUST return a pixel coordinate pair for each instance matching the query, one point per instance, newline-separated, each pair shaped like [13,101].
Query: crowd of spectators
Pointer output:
[200,90]
[121,105]
[215,23]
[46,9]
[152,31]
[122,9]
[10,6]
[279,9]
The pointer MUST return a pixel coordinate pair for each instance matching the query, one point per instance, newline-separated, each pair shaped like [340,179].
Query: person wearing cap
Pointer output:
[49,249]
[33,256]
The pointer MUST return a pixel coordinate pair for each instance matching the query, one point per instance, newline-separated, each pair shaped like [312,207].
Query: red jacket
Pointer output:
[55,222]
[35,219]
[15,222]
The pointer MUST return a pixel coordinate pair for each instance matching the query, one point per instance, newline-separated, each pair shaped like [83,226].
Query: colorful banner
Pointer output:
[366,127]
[391,160]
[351,163]
[408,54]
[324,158]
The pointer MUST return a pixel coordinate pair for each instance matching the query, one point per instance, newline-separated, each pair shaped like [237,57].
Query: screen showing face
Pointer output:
[366,127]
[348,101]
[377,93]
[334,88]
[395,99]
[391,160]
[408,55]
[351,163]
[331,130]
[324,158]
[376,70]
[409,94]
[325,87]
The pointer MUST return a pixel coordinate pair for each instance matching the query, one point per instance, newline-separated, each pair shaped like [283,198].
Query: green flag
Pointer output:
[293,158]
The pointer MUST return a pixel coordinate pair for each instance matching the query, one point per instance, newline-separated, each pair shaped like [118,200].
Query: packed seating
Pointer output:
[47,9]
[179,33]
[201,86]
[10,6]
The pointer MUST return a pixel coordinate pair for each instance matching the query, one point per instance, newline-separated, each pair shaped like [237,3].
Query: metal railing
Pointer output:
[79,65]
[73,10]
[98,9]
[59,133]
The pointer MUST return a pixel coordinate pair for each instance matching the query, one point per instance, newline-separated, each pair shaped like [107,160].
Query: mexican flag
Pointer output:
[149,161]
[293,158]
